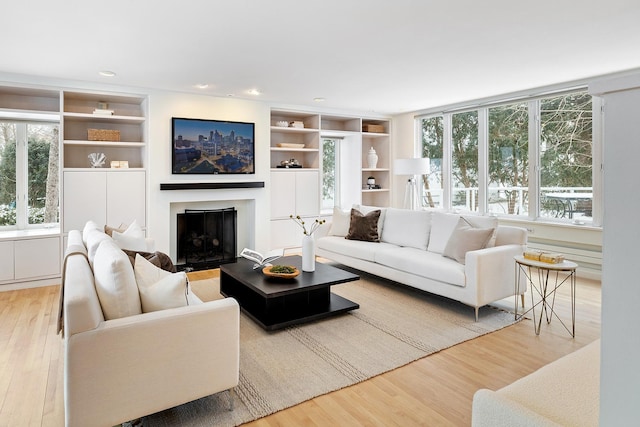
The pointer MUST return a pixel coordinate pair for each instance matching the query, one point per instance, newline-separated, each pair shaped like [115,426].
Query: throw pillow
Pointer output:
[159,289]
[90,225]
[479,221]
[340,223]
[132,243]
[442,226]
[109,229]
[94,238]
[366,209]
[115,282]
[466,238]
[159,259]
[364,227]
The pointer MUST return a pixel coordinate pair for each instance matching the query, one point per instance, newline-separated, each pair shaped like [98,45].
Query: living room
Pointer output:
[167,97]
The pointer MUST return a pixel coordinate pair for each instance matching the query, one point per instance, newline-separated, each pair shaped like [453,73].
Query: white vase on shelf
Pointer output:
[308,253]
[372,158]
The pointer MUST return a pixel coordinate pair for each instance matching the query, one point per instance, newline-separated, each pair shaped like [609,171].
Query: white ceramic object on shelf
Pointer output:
[372,158]
[282,123]
[308,253]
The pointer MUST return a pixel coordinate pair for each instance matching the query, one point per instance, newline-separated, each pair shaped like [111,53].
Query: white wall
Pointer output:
[620,376]
[403,137]
[253,227]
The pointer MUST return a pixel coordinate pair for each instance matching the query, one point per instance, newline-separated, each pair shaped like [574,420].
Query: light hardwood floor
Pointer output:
[434,391]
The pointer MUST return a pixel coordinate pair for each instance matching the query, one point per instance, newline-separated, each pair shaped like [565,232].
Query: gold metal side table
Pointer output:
[563,271]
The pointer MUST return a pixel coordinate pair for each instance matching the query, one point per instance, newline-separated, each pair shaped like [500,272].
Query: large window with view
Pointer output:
[551,136]
[329,172]
[29,174]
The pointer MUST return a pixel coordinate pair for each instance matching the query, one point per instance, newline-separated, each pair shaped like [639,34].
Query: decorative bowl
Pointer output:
[267,272]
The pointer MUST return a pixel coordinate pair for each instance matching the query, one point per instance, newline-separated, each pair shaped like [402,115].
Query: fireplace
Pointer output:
[206,238]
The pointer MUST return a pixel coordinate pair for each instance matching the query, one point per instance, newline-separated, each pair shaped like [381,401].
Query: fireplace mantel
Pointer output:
[210,185]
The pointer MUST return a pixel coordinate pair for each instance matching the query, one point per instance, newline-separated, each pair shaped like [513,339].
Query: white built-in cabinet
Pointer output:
[297,190]
[29,258]
[106,195]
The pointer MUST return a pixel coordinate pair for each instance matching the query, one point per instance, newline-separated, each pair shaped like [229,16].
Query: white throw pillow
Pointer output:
[159,289]
[484,222]
[442,226]
[90,225]
[115,282]
[466,238]
[94,238]
[132,243]
[405,227]
[134,230]
[340,223]
[366,209]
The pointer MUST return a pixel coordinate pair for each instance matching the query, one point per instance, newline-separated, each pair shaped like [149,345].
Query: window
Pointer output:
[464,153]
[329,172]
[29,174]
[508,151]
[432,148]
[501,145]
[566,186]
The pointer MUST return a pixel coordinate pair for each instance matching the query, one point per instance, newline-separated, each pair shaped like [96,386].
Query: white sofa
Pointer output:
[123,368]
[563,393]
[411,247]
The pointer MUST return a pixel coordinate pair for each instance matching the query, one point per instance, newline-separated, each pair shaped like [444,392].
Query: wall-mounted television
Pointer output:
[216,147]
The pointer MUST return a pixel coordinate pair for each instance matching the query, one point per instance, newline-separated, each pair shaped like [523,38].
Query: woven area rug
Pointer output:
[394,326]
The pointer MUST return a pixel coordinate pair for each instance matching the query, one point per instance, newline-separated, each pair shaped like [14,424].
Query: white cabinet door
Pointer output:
[6,261]
[84,199]
[125,197]
[37,258]
[285,234]
[307,193]
[283,194]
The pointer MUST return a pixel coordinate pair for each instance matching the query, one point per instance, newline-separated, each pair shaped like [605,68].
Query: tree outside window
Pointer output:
[464,151]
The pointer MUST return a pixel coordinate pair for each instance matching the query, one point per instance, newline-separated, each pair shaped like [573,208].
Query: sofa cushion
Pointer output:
[405,227]
[364,226]
[132,238]
[353,248]
[340,222]
[159,289]
[422,263]
[115,282]
[442,226]
[466,238]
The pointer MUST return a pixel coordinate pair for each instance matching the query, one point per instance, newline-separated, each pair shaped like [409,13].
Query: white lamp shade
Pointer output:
[418,166]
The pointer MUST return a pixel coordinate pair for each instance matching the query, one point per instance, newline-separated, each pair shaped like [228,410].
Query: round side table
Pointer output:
[545,289]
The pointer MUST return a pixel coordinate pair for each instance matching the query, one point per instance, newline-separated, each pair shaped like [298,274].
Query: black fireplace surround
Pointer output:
[206,238]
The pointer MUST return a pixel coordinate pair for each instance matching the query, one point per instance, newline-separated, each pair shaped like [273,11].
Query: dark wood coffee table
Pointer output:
[278,303]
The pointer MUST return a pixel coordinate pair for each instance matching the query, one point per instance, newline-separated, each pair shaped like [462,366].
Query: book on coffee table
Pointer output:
[259,259]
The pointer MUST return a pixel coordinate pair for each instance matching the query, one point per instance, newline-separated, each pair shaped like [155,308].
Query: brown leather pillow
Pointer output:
[364,227]
[159,259]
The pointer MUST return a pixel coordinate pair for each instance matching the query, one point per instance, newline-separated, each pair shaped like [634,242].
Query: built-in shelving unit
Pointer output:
[297,190]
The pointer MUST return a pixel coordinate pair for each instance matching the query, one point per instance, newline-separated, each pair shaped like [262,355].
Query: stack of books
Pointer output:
[538,255]
[101,112]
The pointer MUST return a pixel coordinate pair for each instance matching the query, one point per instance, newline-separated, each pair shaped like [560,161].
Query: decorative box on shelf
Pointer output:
[372,128]
[103,135]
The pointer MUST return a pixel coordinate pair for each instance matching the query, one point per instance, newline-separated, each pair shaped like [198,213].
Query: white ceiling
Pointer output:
[387,56]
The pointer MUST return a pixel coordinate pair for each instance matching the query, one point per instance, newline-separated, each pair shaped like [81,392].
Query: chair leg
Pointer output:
[522,299]
[477,309]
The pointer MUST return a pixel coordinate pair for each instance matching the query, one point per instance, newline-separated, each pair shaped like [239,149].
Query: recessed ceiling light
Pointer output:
[202,85]
[254,92]
[107,73]
[319,99]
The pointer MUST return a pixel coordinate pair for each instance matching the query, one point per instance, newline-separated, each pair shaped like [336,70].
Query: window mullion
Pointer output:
[447,161]
[483,160]
[534,159]
[21,175]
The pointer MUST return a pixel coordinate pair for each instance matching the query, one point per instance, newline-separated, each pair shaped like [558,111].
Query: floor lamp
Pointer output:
[415,168]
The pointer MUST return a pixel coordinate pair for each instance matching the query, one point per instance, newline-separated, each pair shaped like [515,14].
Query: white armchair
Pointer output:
[121,369]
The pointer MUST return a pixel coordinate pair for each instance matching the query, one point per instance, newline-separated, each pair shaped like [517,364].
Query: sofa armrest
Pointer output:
[145,363]
[490,409]
[492,272]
